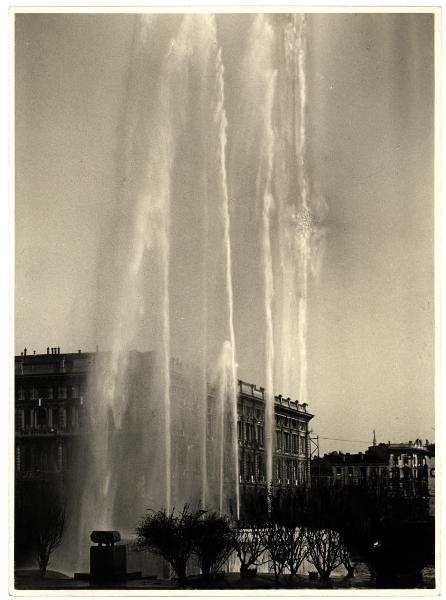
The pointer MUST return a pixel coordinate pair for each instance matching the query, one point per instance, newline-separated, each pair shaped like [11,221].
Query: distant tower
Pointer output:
[374,438]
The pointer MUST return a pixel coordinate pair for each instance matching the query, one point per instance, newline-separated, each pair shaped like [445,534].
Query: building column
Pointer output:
[63,417]
[18,458]
[20,419]
[59,456]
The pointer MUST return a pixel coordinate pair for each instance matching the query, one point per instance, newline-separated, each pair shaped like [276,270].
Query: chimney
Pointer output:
[24,352]
[78,351]
[34,352]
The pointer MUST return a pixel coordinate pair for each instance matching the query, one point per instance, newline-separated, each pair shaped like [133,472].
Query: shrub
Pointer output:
[170,536]
[212,543]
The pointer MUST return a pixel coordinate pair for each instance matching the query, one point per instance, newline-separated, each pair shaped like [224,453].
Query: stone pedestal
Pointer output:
[108,562]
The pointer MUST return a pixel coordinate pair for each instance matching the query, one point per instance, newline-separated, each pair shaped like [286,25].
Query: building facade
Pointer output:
[51,394]
[50,391]
[399,466]
[291,441]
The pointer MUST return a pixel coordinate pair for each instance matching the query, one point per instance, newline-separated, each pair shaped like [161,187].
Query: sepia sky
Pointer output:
[370,130]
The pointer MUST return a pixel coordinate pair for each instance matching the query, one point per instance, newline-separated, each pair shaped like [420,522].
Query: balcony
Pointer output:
[37,474]
[45,431]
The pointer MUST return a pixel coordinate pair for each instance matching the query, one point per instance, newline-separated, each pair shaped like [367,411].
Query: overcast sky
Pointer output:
[370,133]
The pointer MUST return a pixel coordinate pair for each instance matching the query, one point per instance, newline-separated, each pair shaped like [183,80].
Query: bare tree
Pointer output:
[297,548]
[47,531]
[276,541]
[347,560]
[325,549]
[249,546]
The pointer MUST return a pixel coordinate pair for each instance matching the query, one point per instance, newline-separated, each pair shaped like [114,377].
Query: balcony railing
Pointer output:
[45,430]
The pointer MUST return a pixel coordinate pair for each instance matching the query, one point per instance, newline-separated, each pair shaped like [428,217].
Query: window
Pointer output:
[40,417]
[287,441]
[294,470]
[260,472]
[260,435]
[295,448]
[279,439]
[55,418]
[21,394]
[62,392]
[239,430]
[302,445]
[33,393]
[249,465]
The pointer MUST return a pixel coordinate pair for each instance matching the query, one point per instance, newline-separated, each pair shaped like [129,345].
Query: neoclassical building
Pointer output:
[51,393]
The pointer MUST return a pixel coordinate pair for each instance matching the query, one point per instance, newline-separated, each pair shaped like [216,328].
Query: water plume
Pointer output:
[220,117]
[300,216]
[204,175]
[268,206]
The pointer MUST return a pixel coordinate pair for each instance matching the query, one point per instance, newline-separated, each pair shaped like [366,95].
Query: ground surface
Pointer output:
[30,580]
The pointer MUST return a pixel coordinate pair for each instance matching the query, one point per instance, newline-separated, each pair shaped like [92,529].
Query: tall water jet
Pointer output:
[164,431]
[304,219]
[220,117]
[301,234]
[268,205]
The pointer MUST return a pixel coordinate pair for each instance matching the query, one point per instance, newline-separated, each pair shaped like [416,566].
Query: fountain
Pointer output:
[163,432]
